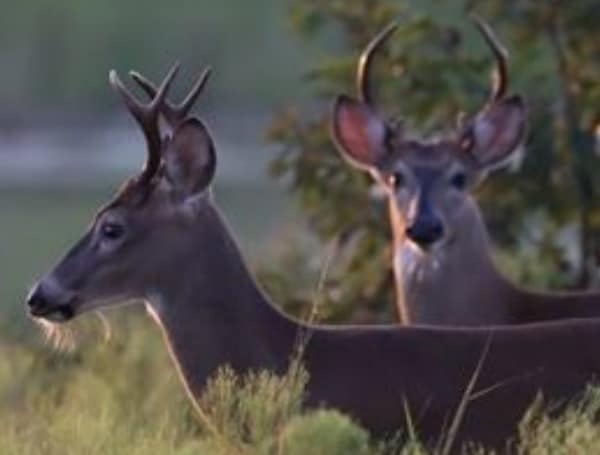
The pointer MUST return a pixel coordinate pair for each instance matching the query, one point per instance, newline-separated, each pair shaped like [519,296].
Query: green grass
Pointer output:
[122,396]
[112,397]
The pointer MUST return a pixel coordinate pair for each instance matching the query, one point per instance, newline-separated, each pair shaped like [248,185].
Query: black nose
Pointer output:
[42,305]
[426,231]
[36,301]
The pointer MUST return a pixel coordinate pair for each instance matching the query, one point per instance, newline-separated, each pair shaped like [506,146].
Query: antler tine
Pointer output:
[147,117]
[198,87]
[500,75]
[174,114]
[363,70]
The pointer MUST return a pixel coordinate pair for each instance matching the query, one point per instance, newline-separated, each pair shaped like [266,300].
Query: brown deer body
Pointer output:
[442,261]
[161,239]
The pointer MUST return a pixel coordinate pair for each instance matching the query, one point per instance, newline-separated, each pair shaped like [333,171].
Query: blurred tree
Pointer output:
[436,66]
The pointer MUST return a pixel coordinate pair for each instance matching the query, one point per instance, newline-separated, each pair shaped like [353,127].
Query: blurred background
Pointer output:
[66,143]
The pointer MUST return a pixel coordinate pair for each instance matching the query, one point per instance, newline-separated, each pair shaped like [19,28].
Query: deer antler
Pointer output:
[500,75]
[363,70]
[174,114]
[147,117]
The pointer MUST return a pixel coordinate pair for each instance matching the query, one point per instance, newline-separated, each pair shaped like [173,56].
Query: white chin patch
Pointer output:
[59,336]
[414,263]
[409,259]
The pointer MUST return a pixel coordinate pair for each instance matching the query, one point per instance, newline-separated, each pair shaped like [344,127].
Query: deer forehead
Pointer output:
[129,199]
[426,161]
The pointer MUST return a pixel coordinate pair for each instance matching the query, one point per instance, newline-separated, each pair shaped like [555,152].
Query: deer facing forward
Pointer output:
[443,268]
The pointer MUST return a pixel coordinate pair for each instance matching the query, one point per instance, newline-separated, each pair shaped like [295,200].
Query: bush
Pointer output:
[575,430]
[324,432]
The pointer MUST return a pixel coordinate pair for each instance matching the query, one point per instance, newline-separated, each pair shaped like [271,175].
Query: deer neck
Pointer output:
[212,312]
[456,284]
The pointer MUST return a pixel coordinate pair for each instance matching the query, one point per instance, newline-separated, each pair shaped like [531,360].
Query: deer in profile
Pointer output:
[443,268]
[162,240]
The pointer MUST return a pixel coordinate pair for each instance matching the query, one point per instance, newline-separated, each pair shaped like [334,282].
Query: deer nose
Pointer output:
[425,231]
[37,302]
[43,304]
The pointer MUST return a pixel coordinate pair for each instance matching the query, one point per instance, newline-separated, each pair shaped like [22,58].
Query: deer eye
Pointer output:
[112,230]
[396,180]
[459,180]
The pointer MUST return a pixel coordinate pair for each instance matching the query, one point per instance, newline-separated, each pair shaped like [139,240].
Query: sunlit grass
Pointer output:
[118,396]
[123,396]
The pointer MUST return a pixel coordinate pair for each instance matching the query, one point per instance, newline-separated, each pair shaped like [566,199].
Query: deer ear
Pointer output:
[189,158]
[498,131]
[358,132]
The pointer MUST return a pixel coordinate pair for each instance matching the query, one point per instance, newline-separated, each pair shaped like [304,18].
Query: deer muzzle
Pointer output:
[45,303]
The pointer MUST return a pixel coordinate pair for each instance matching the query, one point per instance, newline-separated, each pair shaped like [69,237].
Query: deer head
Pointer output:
[428,182]
[110,263]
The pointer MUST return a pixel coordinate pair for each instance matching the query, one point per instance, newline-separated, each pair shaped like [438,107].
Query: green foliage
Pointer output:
[324,433]
[435,67]
[120,396]
[261,414]
[575,430]
[123,396]
[247,414]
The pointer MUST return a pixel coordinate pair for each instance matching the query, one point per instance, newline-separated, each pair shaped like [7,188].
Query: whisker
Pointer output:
[60,337]
[106,329]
